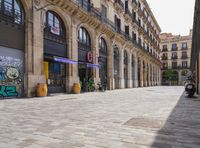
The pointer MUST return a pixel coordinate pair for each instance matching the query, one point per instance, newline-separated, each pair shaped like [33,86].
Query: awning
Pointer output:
[64,60]
[93,65]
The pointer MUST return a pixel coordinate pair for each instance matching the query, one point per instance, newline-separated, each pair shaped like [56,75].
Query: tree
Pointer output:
[171,76]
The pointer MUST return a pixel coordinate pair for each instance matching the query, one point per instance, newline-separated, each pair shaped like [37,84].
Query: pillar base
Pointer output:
[121,84]
[33,80]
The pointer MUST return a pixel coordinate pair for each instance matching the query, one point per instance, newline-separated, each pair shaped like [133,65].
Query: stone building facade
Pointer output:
[62,42]
[175,56]
[195,55]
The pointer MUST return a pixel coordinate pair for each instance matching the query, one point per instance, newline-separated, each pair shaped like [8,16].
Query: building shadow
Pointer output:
[182,128]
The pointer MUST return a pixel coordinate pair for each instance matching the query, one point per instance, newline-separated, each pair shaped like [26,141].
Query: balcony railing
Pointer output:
[174,57]
[164,58]
[184,57]
[164,68]
[89,8]
[175,49]
[164,49]
[127,11]
[120,3]
[134,1]
[184,48]
[135,21]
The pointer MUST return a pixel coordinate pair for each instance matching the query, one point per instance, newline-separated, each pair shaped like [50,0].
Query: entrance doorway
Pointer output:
[55,45]
[56,76]
[85,57]
[85,74]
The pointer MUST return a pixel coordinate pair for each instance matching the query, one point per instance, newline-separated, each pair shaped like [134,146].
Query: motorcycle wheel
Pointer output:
[191,94]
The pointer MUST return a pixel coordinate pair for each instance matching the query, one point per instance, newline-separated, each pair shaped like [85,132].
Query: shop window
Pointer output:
[125,58]
[102,46]
[84,37]
[54,23]
[12,11]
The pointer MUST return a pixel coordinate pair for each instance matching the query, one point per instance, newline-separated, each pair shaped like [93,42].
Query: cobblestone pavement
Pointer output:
[132,118]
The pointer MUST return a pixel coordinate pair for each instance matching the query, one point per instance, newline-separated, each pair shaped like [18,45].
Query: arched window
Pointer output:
[12,11]
[54,24]
[102,46]
[84,37]
[116,54]
[133,61]
[125,57]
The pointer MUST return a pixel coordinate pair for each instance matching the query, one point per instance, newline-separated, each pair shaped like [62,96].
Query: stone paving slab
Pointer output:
[159,117]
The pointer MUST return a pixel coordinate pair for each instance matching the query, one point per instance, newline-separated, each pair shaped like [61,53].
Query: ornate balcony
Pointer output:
[119,5]
[128,14]
[184,57]
[134,4]
[164,58]
[174,57]
[140,13]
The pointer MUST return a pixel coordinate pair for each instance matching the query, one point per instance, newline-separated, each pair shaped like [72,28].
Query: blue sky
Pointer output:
[173,16]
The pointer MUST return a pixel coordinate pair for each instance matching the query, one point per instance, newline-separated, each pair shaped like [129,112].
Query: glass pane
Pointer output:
[57,23]
[8,7]
[0,6]
[84,36]
[17,13]
[50,19]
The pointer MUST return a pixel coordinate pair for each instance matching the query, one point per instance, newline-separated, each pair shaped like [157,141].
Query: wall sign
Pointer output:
[89,56]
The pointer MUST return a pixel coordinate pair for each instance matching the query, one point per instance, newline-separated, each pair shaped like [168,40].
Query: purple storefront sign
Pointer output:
[64,60]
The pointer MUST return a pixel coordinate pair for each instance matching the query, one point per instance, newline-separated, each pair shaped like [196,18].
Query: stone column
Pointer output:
[95,57]
[130,81]
[141,73]
[73,54]
[152,68]
[136,71]
[121,69]
[160,76]
[149,75]
[34,53]
[110,68]
[145,74]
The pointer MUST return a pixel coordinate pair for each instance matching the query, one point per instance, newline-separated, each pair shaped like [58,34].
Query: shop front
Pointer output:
[85,60]
[55,53]
[12,49]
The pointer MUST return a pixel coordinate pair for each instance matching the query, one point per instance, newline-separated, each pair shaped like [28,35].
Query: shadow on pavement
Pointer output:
[182,128]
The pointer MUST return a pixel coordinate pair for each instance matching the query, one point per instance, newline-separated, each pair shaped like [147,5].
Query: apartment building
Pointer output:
[175,56]
[62,42]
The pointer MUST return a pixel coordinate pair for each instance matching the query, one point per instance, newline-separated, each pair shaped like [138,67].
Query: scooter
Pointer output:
[190,87]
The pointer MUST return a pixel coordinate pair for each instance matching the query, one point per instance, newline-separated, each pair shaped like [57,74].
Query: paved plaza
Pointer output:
[159,117]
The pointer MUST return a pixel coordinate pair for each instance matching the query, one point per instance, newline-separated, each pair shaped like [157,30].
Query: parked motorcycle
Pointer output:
[190,86]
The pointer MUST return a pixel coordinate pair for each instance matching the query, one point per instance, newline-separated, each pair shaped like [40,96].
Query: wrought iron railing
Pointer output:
[89,7]
[127,11]
[120,3]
